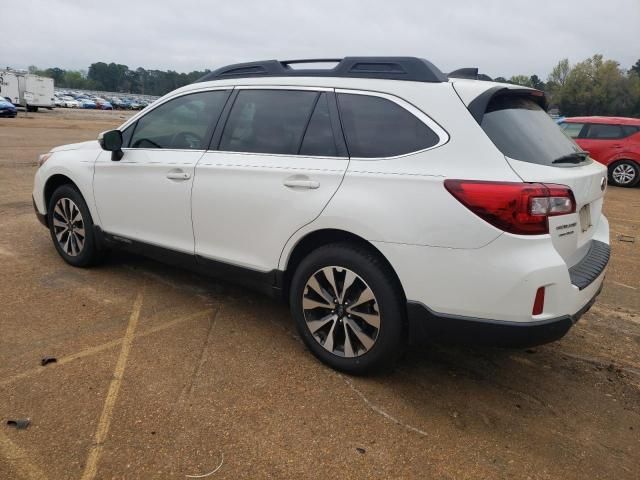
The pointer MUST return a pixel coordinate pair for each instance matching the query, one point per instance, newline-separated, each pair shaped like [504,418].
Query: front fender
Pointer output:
[78,167]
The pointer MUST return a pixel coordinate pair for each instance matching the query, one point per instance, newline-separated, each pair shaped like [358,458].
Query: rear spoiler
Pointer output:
[479,105]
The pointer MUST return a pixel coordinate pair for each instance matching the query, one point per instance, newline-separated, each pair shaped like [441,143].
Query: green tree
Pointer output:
[598,87]
[636,68]
[536,82]
[521,80]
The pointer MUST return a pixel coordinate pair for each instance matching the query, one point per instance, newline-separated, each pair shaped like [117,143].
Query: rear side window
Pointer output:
[629,130]
[268,121]
[572,129]
[600,131]
[376,127]
[181,123]
[522,130]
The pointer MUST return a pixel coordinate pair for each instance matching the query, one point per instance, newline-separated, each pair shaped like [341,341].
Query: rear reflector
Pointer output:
[520,208]
[538,302]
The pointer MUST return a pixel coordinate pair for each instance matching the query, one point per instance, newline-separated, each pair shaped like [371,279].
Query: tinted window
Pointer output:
[522,130]
[630,130]
[572,129]
[268,121]
[318,139]
[604,132]
[181,123]
[377,127]
[126,135]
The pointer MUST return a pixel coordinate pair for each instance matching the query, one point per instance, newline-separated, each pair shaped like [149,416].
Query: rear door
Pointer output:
[272,168]
[538,151]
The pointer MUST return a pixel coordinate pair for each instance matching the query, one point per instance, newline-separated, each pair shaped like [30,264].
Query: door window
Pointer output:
[572,129]
[600,131]
[268,121]
[181,123]
[318,139]
[377,127]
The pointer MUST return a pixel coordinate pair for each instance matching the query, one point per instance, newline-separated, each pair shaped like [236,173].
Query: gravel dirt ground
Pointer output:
[161,373]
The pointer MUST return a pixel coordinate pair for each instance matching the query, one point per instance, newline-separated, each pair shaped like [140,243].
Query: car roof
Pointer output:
[606,120]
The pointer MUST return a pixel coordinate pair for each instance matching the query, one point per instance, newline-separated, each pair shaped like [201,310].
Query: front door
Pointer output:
[146,196]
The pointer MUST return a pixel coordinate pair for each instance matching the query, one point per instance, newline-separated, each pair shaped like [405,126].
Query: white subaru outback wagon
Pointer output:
[381,198]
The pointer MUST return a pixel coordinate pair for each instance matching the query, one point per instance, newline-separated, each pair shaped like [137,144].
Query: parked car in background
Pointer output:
[86,103]
[104,105]
[613,141]
[7,109]
[71,102]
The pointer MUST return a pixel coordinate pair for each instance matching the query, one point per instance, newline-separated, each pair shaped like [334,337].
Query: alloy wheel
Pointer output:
[68,227]
[623,174]
[341,311]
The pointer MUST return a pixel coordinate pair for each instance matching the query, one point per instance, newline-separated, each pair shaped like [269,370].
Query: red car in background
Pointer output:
[612,141]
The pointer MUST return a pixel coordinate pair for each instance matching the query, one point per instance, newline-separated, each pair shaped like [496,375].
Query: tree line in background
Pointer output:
[594,86]
[114,77]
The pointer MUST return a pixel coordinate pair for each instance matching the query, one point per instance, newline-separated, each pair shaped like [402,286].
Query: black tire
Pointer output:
[630,167]
[377,276]
[31,108]
[90,253]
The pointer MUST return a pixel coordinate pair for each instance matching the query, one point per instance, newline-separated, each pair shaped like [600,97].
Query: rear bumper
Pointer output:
[424,323]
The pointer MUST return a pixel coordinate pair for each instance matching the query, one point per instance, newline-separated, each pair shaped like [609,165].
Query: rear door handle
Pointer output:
[296,183]
[178,175]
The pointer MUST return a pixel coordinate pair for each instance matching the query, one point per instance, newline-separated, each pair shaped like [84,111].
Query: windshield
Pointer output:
[522,130]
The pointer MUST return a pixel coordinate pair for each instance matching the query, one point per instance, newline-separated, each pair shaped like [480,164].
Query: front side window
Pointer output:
[572,129]
[375,127]
[181,123]
[600,131]
[268,121]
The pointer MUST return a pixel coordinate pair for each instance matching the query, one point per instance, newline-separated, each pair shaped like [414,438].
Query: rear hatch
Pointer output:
[538,151]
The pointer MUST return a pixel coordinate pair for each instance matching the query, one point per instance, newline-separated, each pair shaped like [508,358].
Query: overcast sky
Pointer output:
[502,37]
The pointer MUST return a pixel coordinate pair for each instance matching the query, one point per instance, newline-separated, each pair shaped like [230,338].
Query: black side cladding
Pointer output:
[591,266]
[390,68]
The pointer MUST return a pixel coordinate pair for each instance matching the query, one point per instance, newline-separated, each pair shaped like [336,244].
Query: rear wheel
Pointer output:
[348,308]
[71,227]
[624,173]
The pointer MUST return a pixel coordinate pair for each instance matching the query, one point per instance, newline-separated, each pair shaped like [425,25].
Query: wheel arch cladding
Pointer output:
[318,238]
[55,181]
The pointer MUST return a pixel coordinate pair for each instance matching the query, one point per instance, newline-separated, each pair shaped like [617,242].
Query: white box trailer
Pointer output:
[9,86]
[27,90]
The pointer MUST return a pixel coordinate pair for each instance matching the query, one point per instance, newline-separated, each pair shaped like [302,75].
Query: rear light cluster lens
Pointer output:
[520,208]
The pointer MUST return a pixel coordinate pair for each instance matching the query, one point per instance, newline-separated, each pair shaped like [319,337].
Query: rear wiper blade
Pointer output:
[575,157]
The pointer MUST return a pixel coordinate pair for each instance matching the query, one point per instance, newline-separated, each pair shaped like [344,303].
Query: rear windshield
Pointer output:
[522,130]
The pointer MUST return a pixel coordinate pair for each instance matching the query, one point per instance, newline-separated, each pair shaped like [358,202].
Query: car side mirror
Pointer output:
[111,141]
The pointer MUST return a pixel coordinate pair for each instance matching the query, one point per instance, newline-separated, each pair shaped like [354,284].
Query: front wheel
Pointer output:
[349,308]
[71,227]
[624,173]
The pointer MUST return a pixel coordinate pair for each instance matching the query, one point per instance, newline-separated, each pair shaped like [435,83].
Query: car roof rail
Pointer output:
[391,68]
[470,74]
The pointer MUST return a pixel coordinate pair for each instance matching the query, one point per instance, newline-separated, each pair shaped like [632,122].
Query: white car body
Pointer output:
[235,209]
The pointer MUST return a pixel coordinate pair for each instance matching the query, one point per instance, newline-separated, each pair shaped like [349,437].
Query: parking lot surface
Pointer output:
[161,373]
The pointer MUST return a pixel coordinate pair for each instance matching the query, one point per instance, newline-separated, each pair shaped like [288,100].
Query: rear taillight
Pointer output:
[520,208]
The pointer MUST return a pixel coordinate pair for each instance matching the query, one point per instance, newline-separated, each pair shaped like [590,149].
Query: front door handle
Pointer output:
[298,182]
[178,175]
